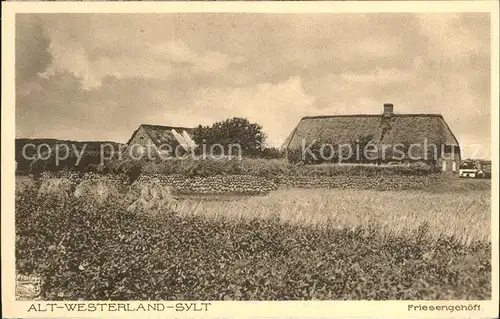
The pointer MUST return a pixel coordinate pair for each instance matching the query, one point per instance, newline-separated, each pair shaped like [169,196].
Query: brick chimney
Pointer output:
[388,110]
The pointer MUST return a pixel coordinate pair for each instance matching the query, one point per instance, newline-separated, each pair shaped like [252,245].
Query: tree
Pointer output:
[271,153]
[228,135]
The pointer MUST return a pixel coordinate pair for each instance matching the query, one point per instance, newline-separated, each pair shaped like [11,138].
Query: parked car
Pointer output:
[473,169]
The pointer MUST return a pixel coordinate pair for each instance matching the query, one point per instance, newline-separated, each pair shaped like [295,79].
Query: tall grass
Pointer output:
[61,188]
[98,190]
[25,184]
[149,197]
[465,218]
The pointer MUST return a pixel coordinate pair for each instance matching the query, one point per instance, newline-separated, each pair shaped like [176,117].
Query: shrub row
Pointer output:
[261,167]
[388,182]
[418,169]
[77,177]
[245,166]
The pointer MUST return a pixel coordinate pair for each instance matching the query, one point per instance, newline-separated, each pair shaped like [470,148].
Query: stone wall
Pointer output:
[390,182]
[222,184]
[249,184]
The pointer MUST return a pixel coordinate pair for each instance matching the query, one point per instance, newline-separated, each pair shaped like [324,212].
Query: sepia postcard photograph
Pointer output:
[250,160]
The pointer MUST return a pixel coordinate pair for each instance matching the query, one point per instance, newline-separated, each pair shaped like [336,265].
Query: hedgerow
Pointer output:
[260,167]
[99,250]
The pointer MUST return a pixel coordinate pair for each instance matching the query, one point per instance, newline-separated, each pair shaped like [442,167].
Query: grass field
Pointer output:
[467,218]
[292,244]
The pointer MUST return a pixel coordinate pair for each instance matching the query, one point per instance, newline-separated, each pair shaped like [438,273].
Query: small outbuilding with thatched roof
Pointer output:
[165,139]
[412,137]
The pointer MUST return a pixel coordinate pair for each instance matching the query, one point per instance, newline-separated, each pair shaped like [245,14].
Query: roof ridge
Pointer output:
[164,126]
[373,115]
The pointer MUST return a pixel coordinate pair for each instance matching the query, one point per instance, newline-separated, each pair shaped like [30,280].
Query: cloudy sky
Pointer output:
[99,76]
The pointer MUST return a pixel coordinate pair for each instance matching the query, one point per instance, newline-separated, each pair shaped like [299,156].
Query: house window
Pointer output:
[140,150]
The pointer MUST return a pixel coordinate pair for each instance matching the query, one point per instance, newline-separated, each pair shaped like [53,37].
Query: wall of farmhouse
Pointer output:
[450,159]
[140,142]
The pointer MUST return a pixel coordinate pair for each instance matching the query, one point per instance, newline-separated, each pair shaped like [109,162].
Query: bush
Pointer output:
[149,197]
[98,191]
[25,185]
[366,170]
[270,168]
[60,188]
[271,153]
[265,168]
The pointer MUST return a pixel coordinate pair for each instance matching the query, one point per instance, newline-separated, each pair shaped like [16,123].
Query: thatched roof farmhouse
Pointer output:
[162,137]
[387,128]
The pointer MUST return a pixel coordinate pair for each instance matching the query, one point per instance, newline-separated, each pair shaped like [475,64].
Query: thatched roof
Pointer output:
[398,128]
[161,135]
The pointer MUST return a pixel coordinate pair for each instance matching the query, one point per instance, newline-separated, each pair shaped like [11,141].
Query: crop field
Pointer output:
[467,219]
[94,242]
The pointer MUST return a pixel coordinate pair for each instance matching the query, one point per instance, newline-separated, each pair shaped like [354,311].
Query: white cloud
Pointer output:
[74,59]
[376,48]
[71,59]
[176,51]
[378,77]
[277,107]
[449,38]
[153,61]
